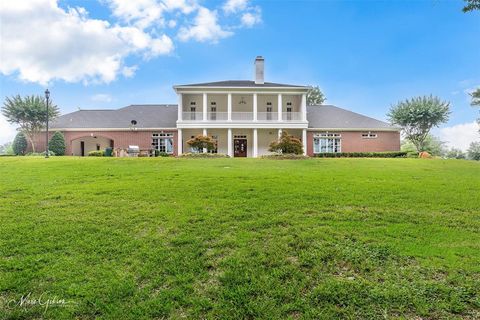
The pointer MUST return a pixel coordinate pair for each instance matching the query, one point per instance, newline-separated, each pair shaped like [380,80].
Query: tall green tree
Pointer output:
[29,113]
[471,5]
[57,144]
[454,153]
[19,144]
[475,97]
[6,148]
[315,96]
[476,101]
[417,116]
[432,145]
[474,151]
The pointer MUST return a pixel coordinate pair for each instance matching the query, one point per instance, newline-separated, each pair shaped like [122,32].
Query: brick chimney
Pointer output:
[259,70]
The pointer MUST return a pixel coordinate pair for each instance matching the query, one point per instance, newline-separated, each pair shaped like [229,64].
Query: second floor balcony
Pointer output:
[242,116]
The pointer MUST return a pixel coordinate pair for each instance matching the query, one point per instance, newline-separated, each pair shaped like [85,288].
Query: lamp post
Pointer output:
[47,97]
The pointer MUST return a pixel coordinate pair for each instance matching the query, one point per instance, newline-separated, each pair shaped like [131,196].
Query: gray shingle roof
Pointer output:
[241,83]
[165,116]
[147,116]
[331,117]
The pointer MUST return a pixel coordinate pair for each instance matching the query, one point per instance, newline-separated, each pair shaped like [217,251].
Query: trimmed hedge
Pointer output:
[204,155]
[394,154]
[285,156]
[42,154]
[95,153]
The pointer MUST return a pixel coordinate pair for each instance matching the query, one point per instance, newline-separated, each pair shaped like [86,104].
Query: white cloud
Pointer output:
[102,97]
[205,28]
[249,19]
[142,13]
[67,45]
[185,6]
[233,6]
[460,136]
[128,72]
[7,130]
[47,42]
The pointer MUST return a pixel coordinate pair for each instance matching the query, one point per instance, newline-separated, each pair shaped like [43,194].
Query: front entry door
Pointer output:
[240,147]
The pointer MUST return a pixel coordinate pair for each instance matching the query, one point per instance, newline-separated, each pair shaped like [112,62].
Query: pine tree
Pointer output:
[20,144]
[57,144]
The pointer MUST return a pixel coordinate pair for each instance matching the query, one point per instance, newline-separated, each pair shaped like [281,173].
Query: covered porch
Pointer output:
[83,145]
[238,142]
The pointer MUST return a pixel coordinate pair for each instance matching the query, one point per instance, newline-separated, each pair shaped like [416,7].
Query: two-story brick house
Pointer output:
[244,117]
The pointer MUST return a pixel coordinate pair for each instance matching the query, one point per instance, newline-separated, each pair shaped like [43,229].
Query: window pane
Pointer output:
[169,145]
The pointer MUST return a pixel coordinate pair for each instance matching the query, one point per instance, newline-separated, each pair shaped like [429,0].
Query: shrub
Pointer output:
[40,154]
[161,154]
[20,144]
[204,155]
[57,144]
[7,149]
[287,144]
[201,142]
[474,151]
[285,156]
[96,153]
[393,154]
[455,154]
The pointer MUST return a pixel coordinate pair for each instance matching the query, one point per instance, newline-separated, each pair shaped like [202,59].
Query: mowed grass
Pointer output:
[240,238]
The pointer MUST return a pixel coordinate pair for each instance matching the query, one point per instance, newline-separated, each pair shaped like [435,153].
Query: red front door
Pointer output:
[240,147]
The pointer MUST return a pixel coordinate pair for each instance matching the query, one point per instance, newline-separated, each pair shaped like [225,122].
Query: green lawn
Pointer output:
[240,238]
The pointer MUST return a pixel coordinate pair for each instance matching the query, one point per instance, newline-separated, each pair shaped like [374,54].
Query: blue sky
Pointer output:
[365,55]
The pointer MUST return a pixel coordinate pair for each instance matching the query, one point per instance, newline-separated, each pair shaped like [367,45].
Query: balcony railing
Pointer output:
[242,116]
[292,116]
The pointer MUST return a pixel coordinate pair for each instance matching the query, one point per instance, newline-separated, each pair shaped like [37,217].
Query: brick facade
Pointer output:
[121,139]
[352,141]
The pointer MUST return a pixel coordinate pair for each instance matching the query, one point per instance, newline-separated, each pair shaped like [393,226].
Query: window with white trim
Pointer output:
[327,142]
[163,142]
[269,111]
[369,135]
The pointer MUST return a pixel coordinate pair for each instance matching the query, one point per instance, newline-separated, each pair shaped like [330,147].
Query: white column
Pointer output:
[205,101]
[304,107]
[255,107]
[179,142]
[255,143]
[230,143]
[280,105]
[180,107]
[304,141]
[279,133]
[204,134]
[229,107]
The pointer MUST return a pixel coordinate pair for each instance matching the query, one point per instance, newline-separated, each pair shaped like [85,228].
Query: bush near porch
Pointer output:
[392,154]
[169,238]
[287,144]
